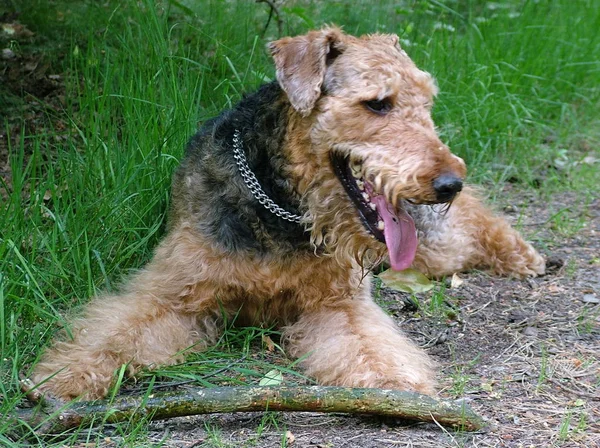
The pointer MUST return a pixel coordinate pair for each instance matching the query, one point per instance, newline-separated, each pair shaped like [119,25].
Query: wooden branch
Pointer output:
[51,417]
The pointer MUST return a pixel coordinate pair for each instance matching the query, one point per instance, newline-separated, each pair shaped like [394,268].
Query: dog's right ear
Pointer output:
[301,63]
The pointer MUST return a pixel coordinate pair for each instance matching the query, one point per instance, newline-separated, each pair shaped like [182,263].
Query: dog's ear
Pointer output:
[301,63]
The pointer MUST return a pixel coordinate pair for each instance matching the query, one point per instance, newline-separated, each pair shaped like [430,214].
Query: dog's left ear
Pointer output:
[301,63]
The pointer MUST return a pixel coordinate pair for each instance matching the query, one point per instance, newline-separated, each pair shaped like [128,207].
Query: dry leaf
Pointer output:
[408,280]
[269,343]
[456,281]
[289,437]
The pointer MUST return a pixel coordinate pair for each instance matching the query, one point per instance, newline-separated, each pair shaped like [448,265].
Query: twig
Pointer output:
[274,9]
[579,393]
[55,417]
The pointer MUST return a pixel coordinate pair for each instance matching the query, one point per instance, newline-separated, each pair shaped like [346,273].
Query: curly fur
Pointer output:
[225,253]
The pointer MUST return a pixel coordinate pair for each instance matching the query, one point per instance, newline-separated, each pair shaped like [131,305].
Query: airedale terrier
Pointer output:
[280,207]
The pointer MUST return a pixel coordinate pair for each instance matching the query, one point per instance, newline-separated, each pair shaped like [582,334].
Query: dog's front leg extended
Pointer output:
[470,236]
[354,343]
[162,311]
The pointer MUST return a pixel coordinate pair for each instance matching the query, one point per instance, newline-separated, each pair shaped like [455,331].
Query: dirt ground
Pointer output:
[524,354]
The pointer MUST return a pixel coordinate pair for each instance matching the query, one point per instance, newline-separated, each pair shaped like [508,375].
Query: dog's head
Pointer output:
[369,112]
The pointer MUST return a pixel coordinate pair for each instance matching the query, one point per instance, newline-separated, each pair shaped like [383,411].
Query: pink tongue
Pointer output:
[400,234]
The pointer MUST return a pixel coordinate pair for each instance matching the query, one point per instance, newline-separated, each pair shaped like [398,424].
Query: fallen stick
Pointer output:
[52,417]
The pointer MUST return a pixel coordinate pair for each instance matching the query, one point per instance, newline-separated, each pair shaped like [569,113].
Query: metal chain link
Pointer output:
[252,182]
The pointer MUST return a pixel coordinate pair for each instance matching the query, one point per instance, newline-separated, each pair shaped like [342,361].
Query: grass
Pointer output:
[544,368]
[586,320]
[87,191]
[565,224]
[572,426]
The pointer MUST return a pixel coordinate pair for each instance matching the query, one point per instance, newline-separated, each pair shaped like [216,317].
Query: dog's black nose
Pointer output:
[446,186]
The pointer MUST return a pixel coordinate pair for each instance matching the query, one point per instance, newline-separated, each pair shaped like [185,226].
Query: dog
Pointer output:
[280,207]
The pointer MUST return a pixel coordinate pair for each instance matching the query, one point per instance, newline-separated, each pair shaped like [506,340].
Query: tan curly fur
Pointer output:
[224,253]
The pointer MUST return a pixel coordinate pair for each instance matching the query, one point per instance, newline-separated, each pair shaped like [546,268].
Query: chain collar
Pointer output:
[252,182]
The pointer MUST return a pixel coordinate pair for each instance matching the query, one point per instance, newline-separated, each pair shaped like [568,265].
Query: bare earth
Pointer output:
[524,354]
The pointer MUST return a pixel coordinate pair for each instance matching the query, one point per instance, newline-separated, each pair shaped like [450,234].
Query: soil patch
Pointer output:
[524,354]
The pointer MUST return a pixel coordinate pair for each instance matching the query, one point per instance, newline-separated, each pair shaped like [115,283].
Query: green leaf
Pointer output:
[408,280]
[272,378]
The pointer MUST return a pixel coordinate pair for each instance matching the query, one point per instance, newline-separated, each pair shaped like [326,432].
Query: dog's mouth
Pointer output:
[389,224]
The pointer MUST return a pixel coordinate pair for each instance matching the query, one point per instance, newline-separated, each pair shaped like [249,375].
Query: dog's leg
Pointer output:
[470,236]
[131,329]
[157,317]
[354,343]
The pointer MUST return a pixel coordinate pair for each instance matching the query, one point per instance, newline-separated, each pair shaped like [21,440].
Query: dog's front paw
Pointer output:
[529,263]
[36,396]
[516,258]
[423,384]
[70,382]
[537,264]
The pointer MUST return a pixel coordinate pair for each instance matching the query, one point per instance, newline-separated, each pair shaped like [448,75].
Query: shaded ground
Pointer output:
[32,93]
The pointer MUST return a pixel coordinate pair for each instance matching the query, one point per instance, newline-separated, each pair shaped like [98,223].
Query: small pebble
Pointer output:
[590,298]
[7,53]
[530,331]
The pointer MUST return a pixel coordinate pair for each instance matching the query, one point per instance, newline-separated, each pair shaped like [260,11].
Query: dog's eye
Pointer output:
[380,107]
